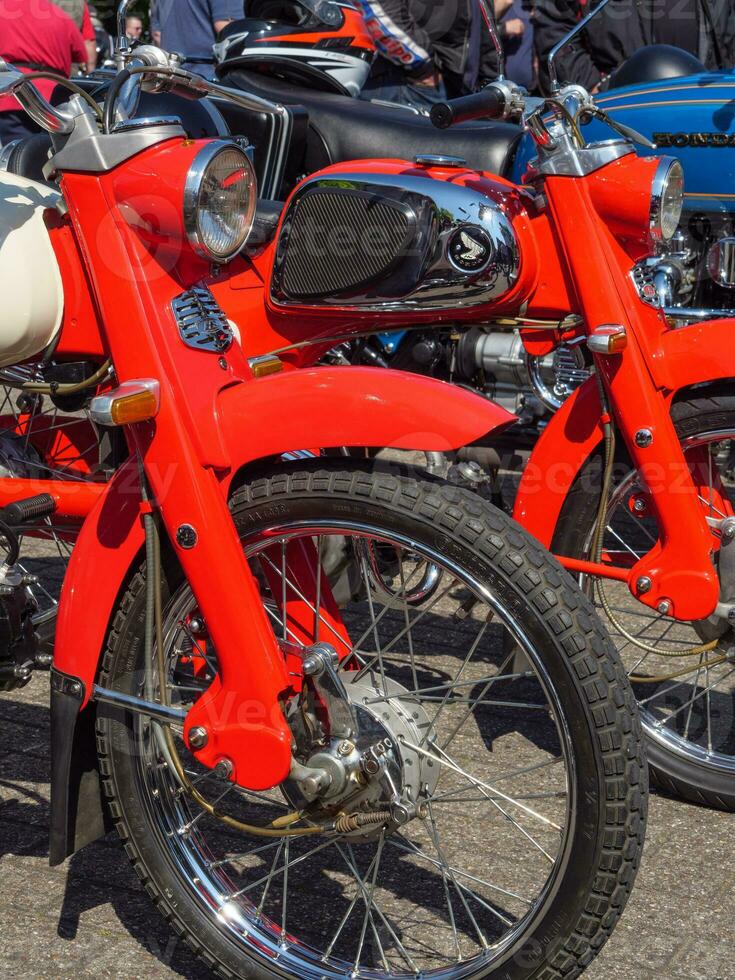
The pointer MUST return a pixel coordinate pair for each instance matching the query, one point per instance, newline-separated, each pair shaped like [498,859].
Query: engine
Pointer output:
[489,360]
[697,267]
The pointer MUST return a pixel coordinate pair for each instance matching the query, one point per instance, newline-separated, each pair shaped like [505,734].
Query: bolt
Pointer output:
[222,363]
[639,505]
[313,665]
[727,529]
[644,584]
[186,536]
[196,624]
[664,607]
[198,737]
[224,768]
[643,438]
[321,655]
[345,747]
[76,688]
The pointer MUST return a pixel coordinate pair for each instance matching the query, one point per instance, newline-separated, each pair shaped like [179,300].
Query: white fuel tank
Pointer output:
[31,291]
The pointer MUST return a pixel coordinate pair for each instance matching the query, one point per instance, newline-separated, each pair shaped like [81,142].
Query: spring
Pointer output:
[348,822]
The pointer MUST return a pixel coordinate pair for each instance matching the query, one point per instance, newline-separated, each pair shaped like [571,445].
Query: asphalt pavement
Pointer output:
[91,918]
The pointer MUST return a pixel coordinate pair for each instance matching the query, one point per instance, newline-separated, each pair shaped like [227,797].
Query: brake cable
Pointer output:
[65,83]
[54,388]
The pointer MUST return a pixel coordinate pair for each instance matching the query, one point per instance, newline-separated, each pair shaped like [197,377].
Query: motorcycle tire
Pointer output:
[701,777]
[600,845]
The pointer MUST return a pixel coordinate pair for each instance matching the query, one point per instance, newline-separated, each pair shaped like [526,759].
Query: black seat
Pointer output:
[27,157]
[349,129]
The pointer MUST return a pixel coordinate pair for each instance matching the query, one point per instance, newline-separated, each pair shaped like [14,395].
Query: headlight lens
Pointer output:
[220,197]
[667,199]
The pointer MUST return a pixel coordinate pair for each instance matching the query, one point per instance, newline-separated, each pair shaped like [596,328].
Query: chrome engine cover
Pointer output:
[383,242]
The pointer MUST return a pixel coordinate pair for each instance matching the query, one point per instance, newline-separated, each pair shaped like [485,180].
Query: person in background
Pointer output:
[706,28]
[516,36]
[427,50]
[190,27]
[78,10]
[134,27]
[36,35]
[104,45]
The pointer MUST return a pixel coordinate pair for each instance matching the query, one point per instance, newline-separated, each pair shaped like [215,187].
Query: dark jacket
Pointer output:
[622,28]
[519,65]
[423,36]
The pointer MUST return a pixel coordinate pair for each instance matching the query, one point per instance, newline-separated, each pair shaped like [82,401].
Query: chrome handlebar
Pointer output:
[153,70]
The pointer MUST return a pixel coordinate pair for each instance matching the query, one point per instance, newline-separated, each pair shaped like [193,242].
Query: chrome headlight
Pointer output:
[220,196]
[667,199]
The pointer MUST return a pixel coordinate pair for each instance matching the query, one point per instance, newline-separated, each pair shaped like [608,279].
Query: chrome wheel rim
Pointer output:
[329,907]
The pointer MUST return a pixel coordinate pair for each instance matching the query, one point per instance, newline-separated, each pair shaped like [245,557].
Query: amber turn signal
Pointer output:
[610,338]
[264,365]
[132,401]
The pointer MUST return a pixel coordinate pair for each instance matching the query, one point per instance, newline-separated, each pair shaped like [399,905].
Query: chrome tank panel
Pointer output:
[30,280]
[445,246]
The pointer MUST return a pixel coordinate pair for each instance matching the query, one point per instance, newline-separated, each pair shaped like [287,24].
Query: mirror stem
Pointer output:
[565,40]
[488,16]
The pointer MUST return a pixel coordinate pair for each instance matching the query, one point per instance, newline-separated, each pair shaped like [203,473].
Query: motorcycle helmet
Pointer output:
[317,43]
[654,64]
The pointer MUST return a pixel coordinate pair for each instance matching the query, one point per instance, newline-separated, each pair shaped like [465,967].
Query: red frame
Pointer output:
[640,382]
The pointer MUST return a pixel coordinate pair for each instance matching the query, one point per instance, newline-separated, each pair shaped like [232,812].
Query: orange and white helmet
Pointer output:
[319,43]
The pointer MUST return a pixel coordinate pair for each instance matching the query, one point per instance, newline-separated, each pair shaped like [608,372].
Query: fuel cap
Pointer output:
[430,160]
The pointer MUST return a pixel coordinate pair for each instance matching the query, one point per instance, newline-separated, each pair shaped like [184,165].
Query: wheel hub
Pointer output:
[382,769]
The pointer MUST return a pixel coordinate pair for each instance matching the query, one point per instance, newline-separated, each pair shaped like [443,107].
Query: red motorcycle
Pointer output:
[630,485]
[349,721]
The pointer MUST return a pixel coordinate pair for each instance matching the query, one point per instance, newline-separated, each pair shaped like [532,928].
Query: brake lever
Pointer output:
[627,131]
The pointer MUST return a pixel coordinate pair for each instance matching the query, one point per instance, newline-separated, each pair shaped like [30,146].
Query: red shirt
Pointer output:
[87,25]
[38,32]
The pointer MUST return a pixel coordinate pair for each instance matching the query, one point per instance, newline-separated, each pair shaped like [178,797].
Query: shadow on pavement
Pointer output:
[96,877]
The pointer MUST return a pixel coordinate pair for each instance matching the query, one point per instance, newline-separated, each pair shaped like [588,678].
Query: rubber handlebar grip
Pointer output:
[488,104]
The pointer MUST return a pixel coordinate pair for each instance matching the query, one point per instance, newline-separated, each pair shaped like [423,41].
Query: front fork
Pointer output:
[677,574]
[239,717]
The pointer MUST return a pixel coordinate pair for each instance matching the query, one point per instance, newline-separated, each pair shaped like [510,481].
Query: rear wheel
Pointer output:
[40,441]
[686,694]
[523,787]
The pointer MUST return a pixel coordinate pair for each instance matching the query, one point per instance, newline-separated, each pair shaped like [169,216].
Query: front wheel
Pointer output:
[521,779]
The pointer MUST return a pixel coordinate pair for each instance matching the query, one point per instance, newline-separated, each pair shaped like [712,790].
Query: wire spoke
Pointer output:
[444,760]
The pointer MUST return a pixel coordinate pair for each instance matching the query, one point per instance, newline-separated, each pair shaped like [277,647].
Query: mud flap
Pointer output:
[78,812]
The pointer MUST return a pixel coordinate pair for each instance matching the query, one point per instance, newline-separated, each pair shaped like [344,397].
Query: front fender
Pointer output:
[316,407]
[354,406]
[110,540]
[569,439]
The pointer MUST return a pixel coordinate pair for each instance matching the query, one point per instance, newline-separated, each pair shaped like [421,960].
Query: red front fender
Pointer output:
[294,410]
[110,539]
[356,406]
